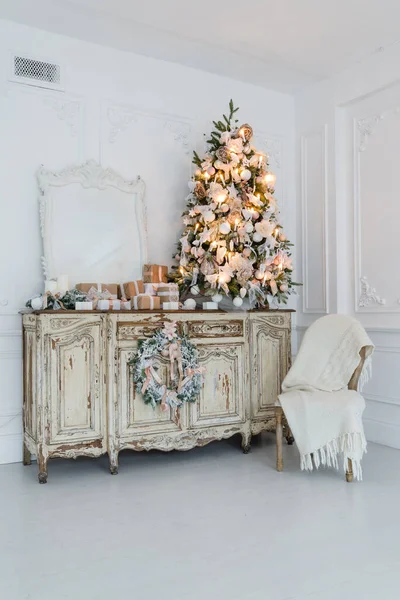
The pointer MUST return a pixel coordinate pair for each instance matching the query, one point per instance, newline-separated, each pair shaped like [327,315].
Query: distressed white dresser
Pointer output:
[80,399]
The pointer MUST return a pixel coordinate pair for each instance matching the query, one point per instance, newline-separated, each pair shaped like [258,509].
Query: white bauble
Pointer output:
[225,208]
[217,298]
[37,303]
[257,237]
[237,302]
[249,227]
[243,292]
[194,290]
[209,216]
[190,304]
[245,174]
[224,228]
[258,275]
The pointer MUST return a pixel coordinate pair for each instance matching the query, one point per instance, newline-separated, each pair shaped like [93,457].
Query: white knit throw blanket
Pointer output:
[324,416]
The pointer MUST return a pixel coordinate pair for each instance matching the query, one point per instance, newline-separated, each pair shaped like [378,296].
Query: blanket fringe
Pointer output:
[351,445]
[366,373]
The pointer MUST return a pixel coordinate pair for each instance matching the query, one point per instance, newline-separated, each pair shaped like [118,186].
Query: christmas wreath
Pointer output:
[185,374]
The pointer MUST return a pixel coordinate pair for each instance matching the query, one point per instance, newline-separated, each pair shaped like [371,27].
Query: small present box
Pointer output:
[155,274]
[168,292]
[210,306]
[111,304]
[83,305]
[133,288]
[170,305]
[126,305]
[101,288]
[145,302]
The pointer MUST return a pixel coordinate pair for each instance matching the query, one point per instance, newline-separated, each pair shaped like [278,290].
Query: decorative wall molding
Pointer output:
[322,134]
[119,117]
[382,399]
[366,128]
[10,332]
[369,294]
[365,296]
[6,355]
[181,132]
[68,111]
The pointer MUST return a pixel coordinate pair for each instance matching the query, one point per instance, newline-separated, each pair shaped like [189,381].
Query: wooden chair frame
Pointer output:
[280,417]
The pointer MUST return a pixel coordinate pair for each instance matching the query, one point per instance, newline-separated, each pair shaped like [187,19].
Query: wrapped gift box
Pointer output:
[111,288]
[83,305]
[112,304]
[168,292]
[170,305]
[133,288]
[155,274]
[210,306]
[146,302]
[126,305]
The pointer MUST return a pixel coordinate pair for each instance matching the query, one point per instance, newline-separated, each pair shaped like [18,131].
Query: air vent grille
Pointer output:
[37,70]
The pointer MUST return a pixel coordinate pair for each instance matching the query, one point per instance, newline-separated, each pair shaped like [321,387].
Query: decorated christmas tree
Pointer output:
[233,242]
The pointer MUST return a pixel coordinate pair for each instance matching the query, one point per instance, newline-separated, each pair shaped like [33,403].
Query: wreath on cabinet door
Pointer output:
[185,373]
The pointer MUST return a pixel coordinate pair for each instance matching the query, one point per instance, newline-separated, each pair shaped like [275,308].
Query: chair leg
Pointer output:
[349,472]
[279,439]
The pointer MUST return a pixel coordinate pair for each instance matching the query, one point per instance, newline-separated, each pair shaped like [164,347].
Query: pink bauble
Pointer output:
[211,171]
[246,252]
[255,215]
[225,208]
[284,287]
[258,275]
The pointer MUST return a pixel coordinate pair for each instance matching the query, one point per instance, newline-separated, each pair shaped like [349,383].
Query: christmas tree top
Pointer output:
[232,241]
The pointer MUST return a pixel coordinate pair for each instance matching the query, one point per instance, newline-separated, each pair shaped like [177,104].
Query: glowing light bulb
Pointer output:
[270,179]
[207,175]
[196,227]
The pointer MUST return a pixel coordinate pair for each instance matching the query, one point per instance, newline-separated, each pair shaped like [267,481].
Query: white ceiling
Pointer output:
[279,44]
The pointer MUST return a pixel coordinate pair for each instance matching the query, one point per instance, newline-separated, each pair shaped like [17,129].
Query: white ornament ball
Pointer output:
[208,216]
[211,171]
[225,208]
[194,290]
[258,275]
[37,303]
[257,237]
[190,304]
[284,287]
[237,302]
[248,227]
[217,298]
[246,252]
[243,292]
[245,174]
[224,228]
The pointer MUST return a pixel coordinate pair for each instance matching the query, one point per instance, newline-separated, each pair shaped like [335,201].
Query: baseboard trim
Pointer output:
[387,434]
[10,448]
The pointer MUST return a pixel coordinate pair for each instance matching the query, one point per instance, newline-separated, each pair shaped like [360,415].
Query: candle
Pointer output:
[241,132]
[62,283]
[259,161]
[50,285]
[222,178]
[236,224]
[196,227]
[276,232]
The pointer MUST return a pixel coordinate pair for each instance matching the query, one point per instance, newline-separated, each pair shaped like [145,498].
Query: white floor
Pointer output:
[208,524]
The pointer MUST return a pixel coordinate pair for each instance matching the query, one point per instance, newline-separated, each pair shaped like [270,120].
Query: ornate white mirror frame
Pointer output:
[93,224]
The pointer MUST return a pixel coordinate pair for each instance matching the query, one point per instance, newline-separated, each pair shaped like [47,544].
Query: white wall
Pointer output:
[134,114]
[348,140]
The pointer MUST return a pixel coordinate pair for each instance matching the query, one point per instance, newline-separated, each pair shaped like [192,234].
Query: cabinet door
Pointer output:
[270,352]
[135,418]
[76,379]
[221,400]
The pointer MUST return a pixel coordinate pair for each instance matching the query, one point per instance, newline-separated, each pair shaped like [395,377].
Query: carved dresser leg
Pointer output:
[246,442]
[279,436]
[349,472]
[113,456]
[42,464]
[26,456]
